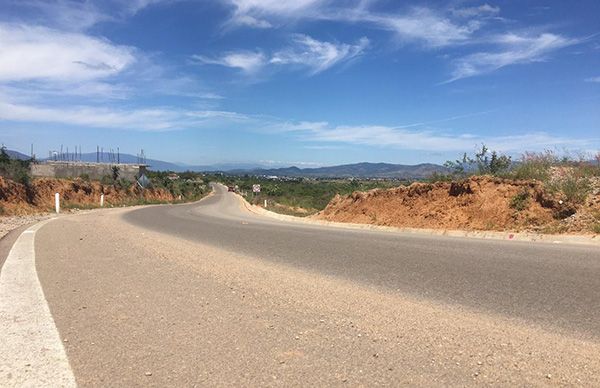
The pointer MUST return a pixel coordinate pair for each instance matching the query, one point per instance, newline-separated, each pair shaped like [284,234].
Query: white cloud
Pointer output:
[318,55]
[146,119]
[87,116]
[76,15]
[305,51]
[593,79]
[420,140]
[420,25]
[248,61]
[514,49]
[254,13]
[481,10]
[39,53]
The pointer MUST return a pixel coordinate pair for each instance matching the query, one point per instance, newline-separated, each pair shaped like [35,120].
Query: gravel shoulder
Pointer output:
[141,308]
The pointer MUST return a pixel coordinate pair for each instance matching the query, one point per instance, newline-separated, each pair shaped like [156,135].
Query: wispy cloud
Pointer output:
[76,15]
[593,79]
[257,13]
[420,25]
[416,24]
[317,55]
[146,119]
[480,10]
[513,49]
[249,62]
[304,52]
[40,53]
[429,140]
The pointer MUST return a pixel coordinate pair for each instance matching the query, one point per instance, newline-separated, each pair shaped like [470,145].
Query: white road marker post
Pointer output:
[265,203]
[101,200]
[57,202]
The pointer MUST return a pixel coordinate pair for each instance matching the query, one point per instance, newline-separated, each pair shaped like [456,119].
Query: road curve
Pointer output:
[556,286]
[208,294]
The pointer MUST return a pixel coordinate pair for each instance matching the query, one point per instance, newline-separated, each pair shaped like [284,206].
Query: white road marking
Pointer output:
[31,354]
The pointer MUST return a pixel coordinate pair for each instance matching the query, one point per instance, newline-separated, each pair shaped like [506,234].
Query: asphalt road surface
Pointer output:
[208,294]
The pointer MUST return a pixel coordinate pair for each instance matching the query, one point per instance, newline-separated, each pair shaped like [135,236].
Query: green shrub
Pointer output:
[575,189]
[520,201]
[107,180]
[14,169]
[124,183]
[484,162]
[536,166]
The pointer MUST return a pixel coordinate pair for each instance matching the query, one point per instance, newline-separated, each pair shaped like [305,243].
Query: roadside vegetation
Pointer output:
[21,194]
[300,196]
[573,178]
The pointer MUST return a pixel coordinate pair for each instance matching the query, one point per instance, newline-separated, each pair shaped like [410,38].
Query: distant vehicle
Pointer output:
[231,188]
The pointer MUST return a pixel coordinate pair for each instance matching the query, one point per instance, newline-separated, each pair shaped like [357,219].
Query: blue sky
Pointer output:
[305,82]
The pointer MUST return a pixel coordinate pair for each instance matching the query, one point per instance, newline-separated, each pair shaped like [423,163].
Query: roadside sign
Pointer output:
[256,188]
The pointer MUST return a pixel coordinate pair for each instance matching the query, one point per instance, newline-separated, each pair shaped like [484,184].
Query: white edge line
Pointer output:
[32,352]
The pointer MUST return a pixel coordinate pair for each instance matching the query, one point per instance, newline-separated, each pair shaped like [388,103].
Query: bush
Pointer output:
[124,183]
[520,201]
[13,169]
[107,180]
[574,188]
[485,162]
[536,166]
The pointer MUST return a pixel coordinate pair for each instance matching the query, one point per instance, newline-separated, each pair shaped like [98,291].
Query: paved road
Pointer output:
[208,294]
[543,283]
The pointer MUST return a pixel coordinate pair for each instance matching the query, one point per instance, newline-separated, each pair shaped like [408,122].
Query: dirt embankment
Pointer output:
[478,203]
[38,197]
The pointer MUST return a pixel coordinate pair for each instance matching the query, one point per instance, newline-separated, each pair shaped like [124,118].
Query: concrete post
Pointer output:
[57,202]
[101,200]
[265,203]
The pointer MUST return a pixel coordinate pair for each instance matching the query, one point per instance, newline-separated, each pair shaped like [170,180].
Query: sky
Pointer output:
[304,82]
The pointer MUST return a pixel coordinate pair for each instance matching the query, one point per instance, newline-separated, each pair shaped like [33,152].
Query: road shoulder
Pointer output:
[593,240]
[32,353]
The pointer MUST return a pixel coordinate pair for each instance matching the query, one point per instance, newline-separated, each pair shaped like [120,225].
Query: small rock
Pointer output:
[148,373]
[548,376]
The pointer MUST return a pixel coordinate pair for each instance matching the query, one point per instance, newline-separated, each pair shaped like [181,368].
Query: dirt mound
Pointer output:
[38,196]
[478,203]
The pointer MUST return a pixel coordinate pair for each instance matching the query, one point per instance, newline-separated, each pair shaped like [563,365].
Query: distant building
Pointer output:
[95,171]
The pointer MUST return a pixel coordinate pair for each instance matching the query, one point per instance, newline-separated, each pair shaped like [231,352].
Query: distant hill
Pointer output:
[357,170]
[17,155]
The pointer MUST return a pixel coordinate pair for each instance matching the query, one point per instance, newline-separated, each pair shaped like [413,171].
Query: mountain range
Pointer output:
[358,170]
